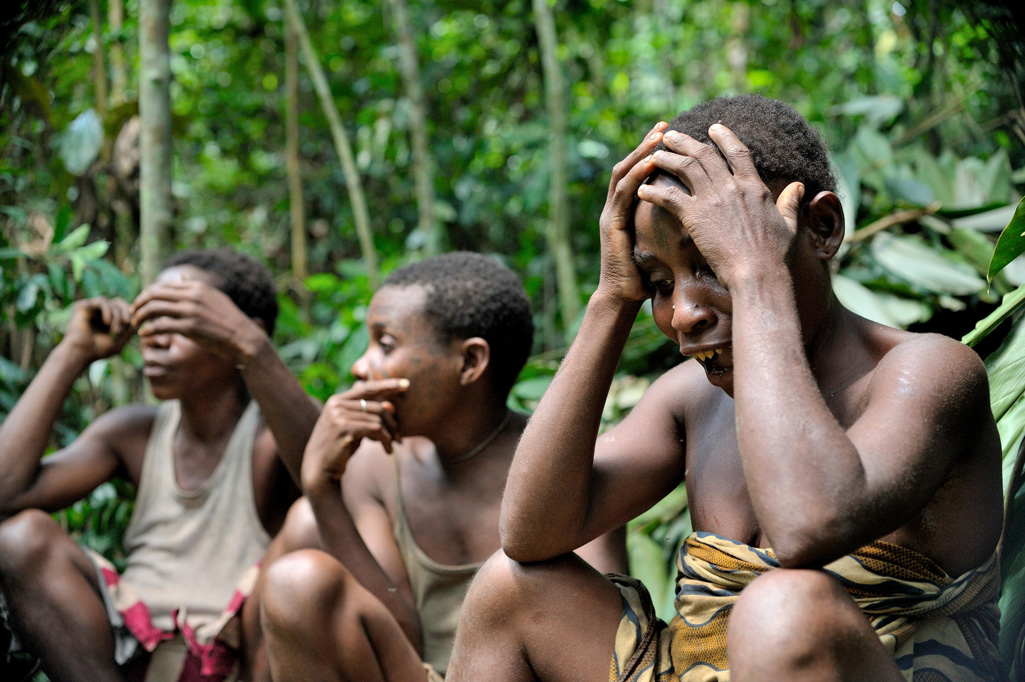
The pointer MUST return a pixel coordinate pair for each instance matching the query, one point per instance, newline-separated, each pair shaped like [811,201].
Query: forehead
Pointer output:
[181,273]
[404,306]
[658,232]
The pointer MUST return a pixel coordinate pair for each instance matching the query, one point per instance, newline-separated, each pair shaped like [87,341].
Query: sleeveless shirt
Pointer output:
[438,590]
[187,550]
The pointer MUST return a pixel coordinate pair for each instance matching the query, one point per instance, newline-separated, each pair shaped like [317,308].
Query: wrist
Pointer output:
[72,355]
[253,349]
[607,301]
[318,486]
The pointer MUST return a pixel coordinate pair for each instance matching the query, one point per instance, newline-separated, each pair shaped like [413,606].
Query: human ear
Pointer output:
[824,220]
[476,356]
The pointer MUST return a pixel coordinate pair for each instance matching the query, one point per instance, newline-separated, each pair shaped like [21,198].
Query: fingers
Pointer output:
[118,319]
[638,155]
[172,291]
[376,390]
[736,152]
[789,202]
[362,418]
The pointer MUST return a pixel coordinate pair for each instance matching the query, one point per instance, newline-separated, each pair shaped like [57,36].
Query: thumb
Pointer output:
[789,202]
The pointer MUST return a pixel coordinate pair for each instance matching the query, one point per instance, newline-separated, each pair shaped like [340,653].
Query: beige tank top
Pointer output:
[438,590]
[187,550]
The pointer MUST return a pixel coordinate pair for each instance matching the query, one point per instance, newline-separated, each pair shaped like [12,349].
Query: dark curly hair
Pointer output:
[469,295]
[783,146]
[243,278]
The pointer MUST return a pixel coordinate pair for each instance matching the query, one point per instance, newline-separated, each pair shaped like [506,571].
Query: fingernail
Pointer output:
[654,136]
[403,383]
[716,127]
[671,134]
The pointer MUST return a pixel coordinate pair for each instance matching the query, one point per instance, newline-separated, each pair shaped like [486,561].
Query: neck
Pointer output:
[207,416]
[832,352]
[473,434]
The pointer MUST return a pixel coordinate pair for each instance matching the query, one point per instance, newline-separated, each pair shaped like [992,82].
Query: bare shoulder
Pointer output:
[934,368]
[125,430]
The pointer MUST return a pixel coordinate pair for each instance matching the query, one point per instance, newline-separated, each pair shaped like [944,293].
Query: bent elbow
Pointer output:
[812,544]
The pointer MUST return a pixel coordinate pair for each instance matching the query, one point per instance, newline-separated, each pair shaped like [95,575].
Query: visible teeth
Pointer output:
[708,354]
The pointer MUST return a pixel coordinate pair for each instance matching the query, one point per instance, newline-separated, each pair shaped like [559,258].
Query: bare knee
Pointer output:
[299,589]
[790,616]
[26,540]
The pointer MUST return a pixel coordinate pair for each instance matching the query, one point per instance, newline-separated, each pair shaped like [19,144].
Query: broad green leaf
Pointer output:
[930,172]
[995,177]
[74,239]
[910,190]
[1010,303]
[884,308]
[878,109]
[912,259]
[80,144]
[1011,243]
[1006,369]
[976,247]
[28,294]
[648,564]
[532,389]
[993,220]
[93,251]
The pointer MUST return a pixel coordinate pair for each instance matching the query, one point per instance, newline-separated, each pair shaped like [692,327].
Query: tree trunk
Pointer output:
[99,63]
[423,167]
[558,213]
[119,77]
[296,208]
[342,146]
[155,136]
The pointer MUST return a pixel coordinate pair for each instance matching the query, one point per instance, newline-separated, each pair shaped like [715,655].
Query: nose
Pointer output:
[692,313]
[361,368]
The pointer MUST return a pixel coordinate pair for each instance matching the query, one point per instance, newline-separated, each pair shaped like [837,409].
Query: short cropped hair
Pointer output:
[246,281]
[783,146]
[469,295]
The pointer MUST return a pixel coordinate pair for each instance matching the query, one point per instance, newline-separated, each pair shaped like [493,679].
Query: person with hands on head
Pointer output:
[403,477]
[843,477]
[210,465]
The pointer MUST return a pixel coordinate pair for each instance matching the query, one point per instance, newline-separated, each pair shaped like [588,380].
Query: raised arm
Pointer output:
[554,481]
[98,328]
[822,488]
[348,516]
[205,314]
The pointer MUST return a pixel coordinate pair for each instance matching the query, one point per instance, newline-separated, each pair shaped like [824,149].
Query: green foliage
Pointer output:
[913,100]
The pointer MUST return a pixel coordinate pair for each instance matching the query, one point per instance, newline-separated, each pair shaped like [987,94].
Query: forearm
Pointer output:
[799,465]
[25,433]
[340,538]
[289,412]
[549,481]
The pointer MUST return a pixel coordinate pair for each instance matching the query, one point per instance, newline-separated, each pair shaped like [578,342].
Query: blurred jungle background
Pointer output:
[338,140]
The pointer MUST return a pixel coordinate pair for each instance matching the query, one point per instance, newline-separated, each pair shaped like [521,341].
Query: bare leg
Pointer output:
[55,605]
[320,624]
[799,625]
[554,621]
[298,532]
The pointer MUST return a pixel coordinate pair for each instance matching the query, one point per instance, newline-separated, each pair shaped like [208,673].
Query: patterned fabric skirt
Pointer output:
[936,627]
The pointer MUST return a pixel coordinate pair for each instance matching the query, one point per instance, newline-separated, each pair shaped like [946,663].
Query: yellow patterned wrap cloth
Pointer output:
[938,628]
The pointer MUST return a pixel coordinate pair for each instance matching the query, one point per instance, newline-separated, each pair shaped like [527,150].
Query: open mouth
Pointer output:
[711,360]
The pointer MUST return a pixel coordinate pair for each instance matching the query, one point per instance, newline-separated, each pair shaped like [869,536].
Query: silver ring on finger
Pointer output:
[363,405]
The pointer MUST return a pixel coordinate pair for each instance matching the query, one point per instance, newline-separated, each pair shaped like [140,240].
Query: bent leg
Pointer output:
[320,624]
[554,621]
[54,601]
[298,532]
[798,625]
